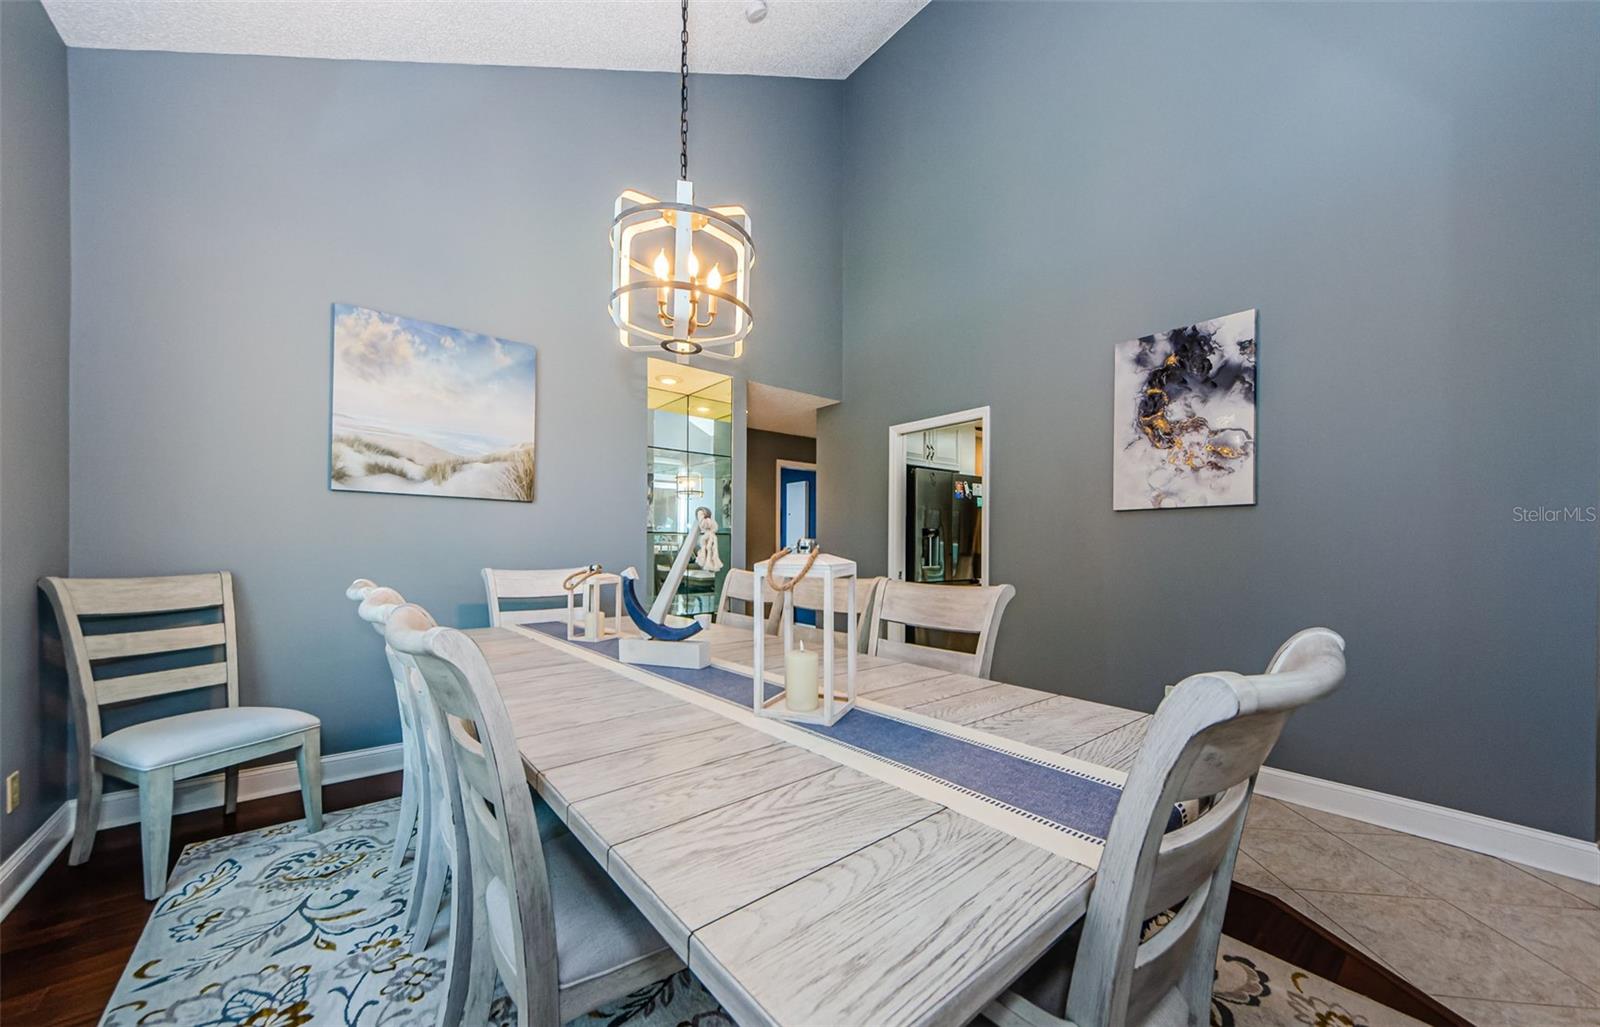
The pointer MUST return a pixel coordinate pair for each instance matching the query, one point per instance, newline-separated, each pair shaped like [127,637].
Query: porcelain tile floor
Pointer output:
[1502,944]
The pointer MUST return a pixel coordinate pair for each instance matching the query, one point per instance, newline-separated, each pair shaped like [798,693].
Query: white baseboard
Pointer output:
[1572,857]
[121,807]
[24,866]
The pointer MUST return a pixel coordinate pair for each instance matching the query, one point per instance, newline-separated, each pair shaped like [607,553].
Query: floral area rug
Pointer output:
[1255,989]
[280,928]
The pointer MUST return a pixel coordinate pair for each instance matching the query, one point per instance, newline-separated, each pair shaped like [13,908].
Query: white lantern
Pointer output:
[586,621]
[809,696]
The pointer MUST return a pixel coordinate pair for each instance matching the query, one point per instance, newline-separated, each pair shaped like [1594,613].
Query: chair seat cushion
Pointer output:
[168,740]
[598,929]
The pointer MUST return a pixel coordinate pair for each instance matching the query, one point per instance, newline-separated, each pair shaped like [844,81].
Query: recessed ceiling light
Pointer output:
[667,379]
[702,410]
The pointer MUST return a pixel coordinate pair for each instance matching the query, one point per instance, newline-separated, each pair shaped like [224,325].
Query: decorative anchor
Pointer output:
[665,646]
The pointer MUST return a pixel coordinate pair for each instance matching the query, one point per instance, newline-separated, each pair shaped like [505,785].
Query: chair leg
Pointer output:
[480,968]
[428,844]
[310,761]
[409,810]
[458,964]
[155,827]
[432,894]
[87,823]
[230,790]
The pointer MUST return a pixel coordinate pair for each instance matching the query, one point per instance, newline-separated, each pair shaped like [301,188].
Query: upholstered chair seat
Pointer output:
[169,740]
[599,931]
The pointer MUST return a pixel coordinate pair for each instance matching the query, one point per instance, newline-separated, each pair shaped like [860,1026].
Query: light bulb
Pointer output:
[694,264]
[714,278]
[663,269]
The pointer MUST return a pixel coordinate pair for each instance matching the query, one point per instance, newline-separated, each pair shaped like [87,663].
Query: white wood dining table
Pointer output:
[798,890]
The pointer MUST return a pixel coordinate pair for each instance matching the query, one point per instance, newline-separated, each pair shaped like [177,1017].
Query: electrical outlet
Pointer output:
[13,790]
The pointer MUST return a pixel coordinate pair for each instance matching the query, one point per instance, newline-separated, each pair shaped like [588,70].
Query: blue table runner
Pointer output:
[1077,803]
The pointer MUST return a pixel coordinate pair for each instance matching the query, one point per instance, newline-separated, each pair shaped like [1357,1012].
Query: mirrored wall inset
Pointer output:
[689,474]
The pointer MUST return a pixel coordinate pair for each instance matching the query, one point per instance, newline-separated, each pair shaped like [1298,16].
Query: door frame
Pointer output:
[777,494]
[897,484]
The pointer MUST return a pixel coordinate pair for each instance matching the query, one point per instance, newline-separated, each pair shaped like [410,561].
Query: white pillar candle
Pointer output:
[595,624]
[800,680]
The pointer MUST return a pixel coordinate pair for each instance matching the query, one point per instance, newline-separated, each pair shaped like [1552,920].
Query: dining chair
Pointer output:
[544,917]
[739,587]
[501,586]
[1147,949]
[963,609]
[372,601]
[156,753]
[808,598]
[440,829]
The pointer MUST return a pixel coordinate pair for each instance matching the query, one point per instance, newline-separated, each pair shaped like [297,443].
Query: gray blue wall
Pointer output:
[34,279]
[1411,196]
[221,204]
[763,450]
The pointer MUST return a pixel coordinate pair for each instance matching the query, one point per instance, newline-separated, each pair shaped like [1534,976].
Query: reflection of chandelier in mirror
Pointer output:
[693,312]
[691,485]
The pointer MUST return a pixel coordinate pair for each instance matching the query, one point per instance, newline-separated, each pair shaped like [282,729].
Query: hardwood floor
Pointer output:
[64,946]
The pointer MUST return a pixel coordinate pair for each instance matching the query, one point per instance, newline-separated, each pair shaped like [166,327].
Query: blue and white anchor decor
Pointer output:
[664,644]
[804,696]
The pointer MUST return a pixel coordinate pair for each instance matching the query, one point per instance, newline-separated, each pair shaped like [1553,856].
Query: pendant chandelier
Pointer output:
[680,273]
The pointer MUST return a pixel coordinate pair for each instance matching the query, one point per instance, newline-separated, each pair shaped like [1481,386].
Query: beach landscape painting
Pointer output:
[1184,413]
[423,409]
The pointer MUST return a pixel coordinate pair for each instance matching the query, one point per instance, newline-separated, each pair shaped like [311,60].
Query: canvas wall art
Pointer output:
[426,410]
[1184,414]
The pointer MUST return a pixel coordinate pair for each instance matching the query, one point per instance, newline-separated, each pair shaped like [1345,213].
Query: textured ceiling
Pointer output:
[783,410]
[798,38]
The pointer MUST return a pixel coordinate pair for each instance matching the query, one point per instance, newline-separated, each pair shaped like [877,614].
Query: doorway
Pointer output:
[940,478]
[796,502]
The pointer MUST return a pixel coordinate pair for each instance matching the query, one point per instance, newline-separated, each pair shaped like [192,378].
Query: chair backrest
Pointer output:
[737,607]
[377,604]
[970,610]
[502,835]
[501,586]
[808,596]
[1207,739]
[97,603]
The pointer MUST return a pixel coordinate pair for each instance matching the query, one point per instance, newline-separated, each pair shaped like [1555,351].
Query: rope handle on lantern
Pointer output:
[577,578]
[792,582]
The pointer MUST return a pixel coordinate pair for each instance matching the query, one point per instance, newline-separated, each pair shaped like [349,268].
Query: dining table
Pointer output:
[798,886]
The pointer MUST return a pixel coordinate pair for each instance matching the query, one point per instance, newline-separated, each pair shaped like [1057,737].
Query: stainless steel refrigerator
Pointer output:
[944,526]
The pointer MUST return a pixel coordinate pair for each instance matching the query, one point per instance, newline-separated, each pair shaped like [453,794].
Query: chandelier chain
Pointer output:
[683,96]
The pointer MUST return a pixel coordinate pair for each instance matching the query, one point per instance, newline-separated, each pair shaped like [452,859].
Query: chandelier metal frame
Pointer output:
[685,303]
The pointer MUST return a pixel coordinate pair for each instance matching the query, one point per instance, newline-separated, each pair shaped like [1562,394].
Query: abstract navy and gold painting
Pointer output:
[1184,417]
